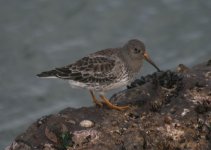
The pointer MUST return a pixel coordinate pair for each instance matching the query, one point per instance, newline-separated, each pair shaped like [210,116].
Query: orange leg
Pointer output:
[110,105]
[95,99]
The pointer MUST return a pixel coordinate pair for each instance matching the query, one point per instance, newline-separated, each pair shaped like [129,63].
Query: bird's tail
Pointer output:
[48,74]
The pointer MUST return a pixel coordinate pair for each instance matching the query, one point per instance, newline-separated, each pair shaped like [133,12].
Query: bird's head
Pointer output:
[136,51]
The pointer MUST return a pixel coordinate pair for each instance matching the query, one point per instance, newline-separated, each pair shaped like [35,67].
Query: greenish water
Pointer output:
[39,35]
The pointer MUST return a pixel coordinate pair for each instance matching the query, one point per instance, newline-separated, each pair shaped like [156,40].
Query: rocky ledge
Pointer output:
[169,110]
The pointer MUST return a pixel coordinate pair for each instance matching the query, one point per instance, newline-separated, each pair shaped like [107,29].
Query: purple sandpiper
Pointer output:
[104,70]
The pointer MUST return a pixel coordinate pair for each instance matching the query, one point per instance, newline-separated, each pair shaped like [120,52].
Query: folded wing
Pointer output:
[88,69]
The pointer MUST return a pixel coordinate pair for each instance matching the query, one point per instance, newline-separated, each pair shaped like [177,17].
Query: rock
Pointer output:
[169,110]
[209,62]
[182,68]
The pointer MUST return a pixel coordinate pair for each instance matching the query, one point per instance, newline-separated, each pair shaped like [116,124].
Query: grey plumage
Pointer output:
[105,69]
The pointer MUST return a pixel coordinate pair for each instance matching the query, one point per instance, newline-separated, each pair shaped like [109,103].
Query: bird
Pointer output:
[104,70]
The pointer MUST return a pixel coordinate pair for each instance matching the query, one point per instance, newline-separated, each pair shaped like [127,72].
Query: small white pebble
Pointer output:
[86,123]
[185,111]
[71,121]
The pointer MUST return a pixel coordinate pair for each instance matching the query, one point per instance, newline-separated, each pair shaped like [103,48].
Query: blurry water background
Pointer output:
[37,35]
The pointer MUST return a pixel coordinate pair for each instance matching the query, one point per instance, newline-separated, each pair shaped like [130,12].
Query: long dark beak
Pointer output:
[147,58]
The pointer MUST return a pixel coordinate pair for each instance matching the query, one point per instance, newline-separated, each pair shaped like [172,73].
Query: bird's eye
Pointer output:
[136,50]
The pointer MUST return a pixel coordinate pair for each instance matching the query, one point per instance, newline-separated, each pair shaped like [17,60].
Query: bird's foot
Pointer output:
[111,106]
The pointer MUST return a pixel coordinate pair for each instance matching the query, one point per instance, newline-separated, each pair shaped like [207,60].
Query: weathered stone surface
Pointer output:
[169,110]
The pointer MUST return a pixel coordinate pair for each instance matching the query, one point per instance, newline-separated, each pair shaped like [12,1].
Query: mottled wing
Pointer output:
[87,70]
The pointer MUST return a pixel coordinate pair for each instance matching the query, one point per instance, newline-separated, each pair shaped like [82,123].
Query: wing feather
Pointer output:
[88,70]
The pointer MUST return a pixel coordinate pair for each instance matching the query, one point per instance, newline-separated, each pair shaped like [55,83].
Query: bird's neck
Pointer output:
[133,64]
